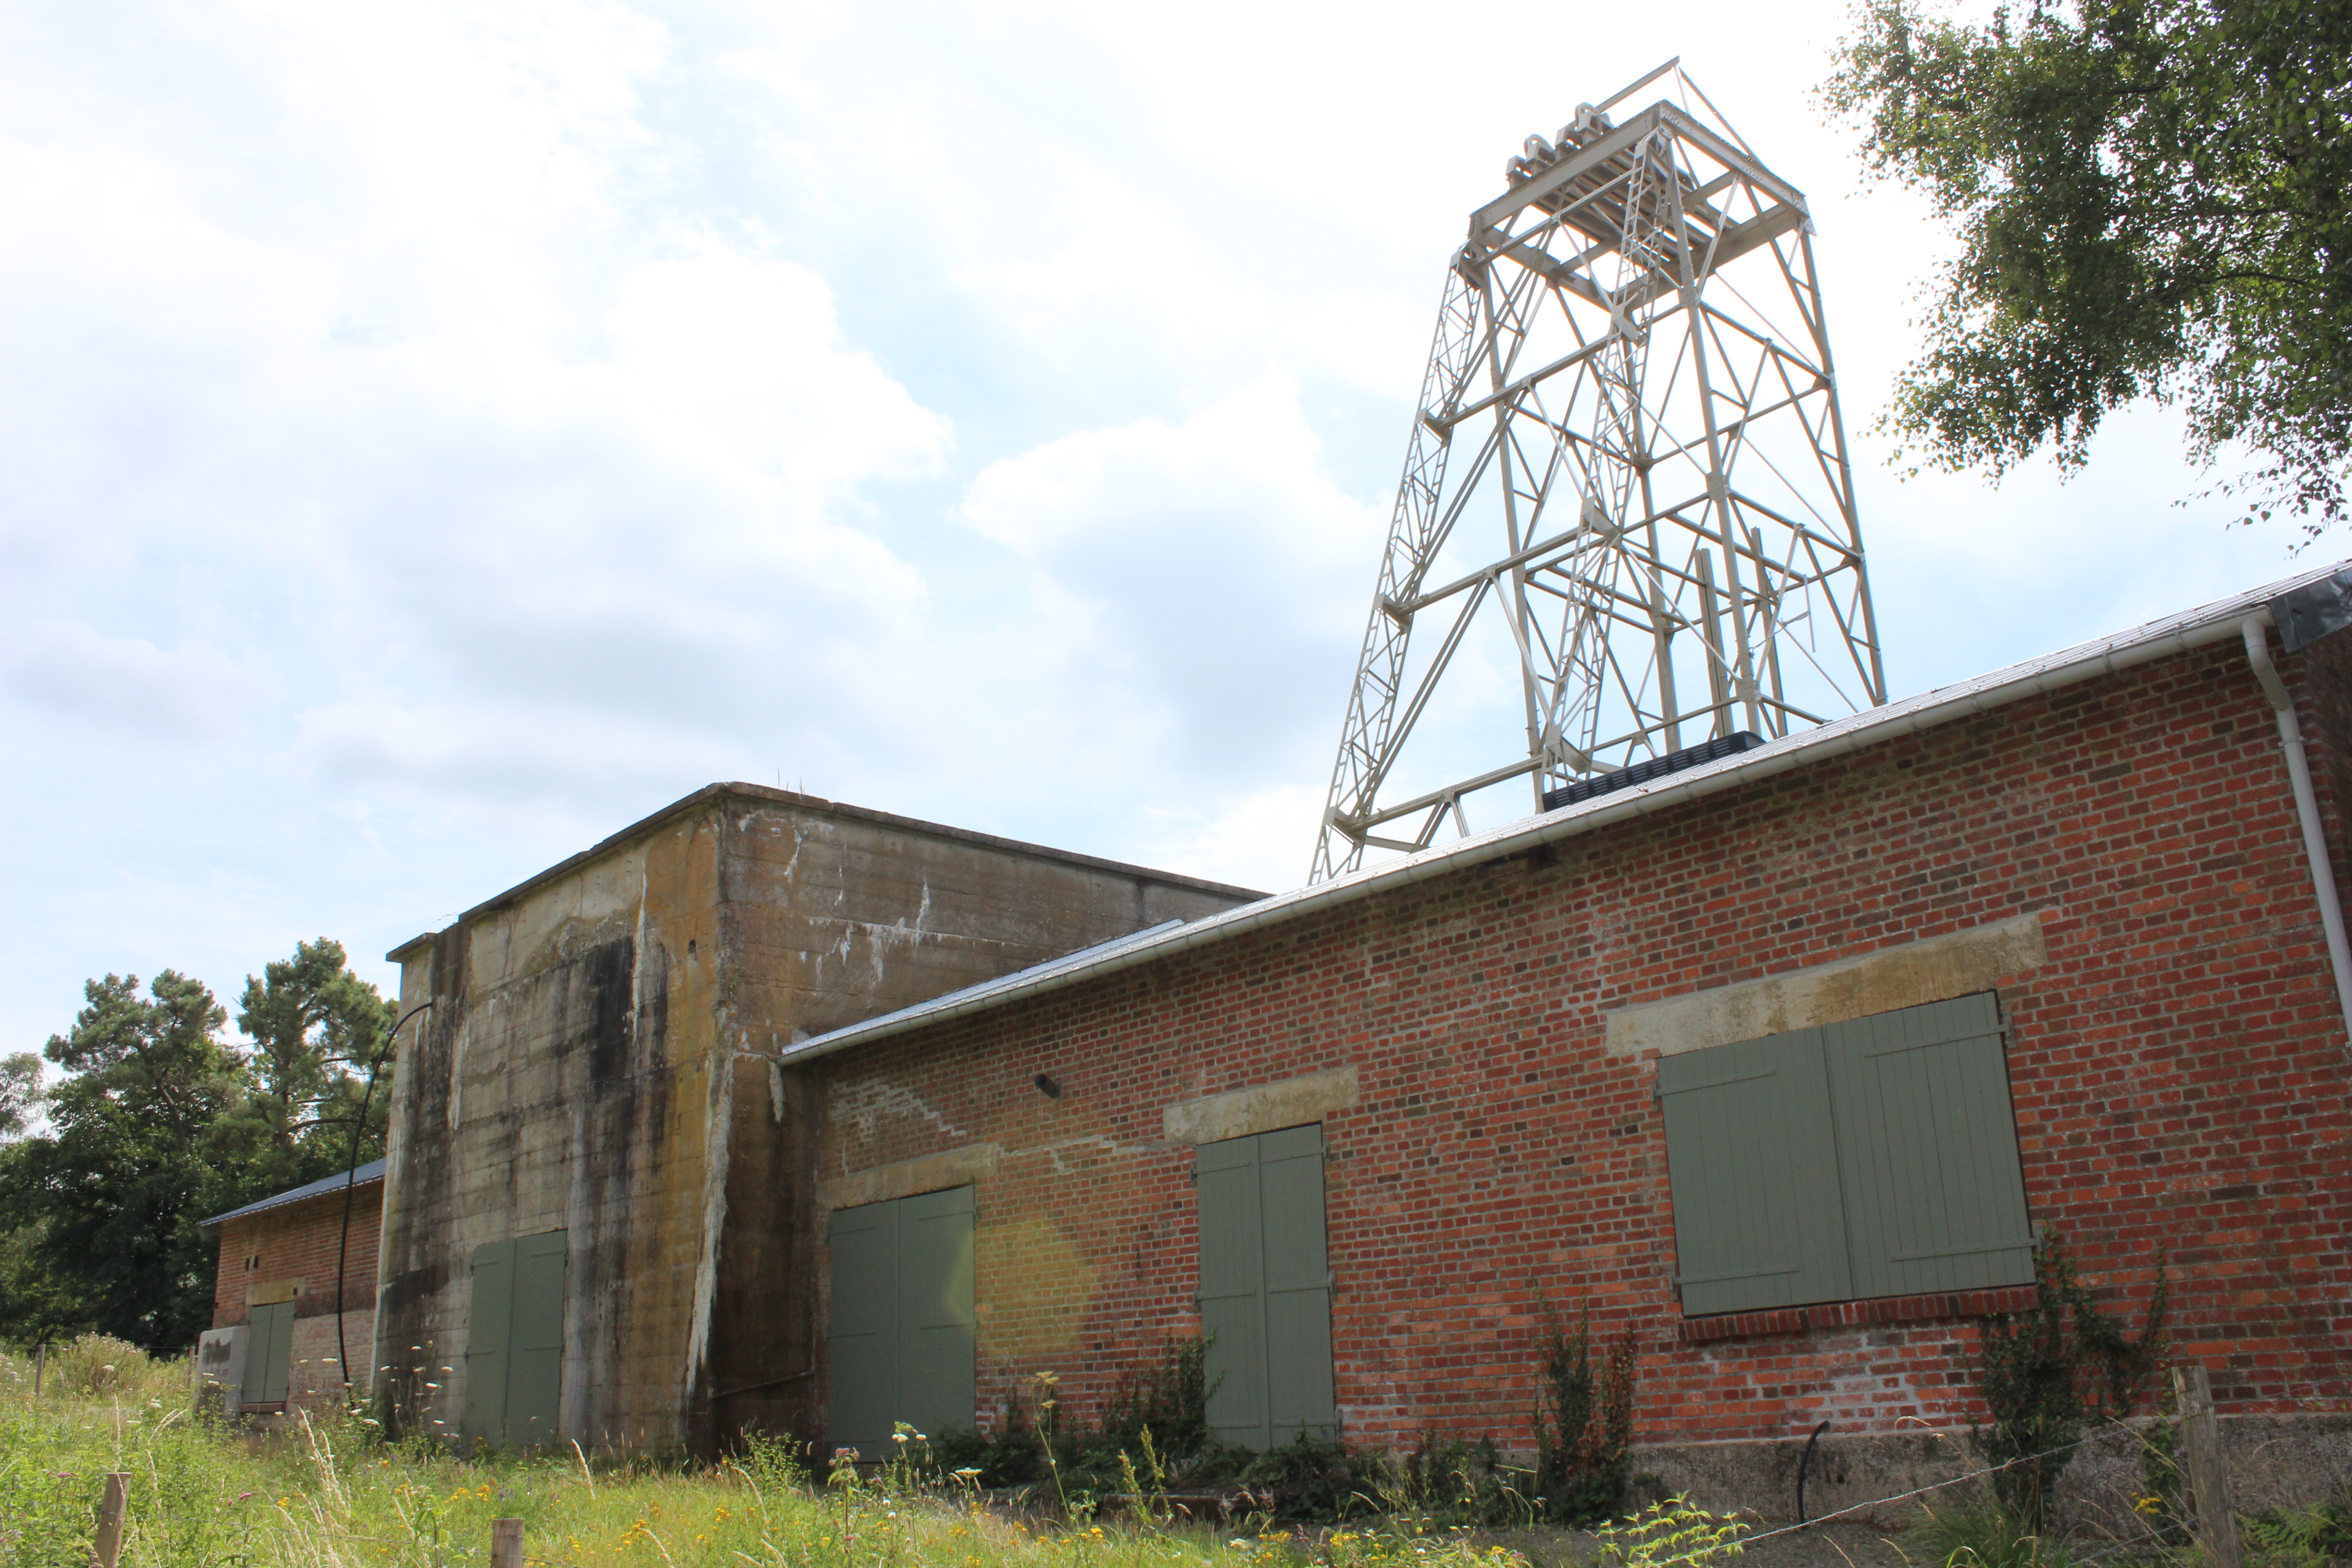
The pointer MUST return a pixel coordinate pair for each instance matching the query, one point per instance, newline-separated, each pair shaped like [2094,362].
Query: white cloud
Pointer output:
[1260,839]
[128,684]
[1201,585]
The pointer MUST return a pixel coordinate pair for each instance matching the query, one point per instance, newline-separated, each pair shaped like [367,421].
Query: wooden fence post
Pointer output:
[40,1361]
[2209,1474]
[106,1547]
[506,1544]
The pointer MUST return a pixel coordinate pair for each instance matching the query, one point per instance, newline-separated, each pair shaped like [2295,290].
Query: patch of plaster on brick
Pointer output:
[866,1102]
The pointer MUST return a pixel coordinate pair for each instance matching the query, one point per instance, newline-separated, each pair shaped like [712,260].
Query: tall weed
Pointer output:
[1583,1421]
[1980,1535]
[2045,1371]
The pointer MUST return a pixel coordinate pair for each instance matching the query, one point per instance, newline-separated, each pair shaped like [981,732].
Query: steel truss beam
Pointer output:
[1657,517]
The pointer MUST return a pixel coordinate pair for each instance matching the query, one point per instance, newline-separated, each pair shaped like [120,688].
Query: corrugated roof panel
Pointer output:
[366,1175]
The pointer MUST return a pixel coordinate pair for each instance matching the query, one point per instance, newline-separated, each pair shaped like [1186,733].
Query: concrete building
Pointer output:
[603,1220]
[275,1343]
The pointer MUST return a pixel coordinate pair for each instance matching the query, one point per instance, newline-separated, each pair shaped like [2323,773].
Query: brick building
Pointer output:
[1778,1063]
[274,1341]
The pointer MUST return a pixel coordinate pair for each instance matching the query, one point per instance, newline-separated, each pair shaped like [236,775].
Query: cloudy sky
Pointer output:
[433,435]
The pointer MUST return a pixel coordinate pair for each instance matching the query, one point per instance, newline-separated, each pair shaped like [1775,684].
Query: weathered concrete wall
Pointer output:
[2177,1064]
[562,1083]
[599,1059]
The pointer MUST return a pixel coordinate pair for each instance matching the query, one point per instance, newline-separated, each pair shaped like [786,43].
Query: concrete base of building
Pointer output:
[2274,1461]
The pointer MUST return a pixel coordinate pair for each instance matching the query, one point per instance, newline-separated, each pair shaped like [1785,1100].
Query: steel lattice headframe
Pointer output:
[1652,495]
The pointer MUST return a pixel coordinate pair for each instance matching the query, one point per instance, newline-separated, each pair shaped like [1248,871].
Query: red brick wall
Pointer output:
[299,1241]
[2178,1070]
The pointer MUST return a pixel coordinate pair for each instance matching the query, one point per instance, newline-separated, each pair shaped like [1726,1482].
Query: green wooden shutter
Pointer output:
[258,1320]
[935,1311]
[256,1352]
[269,1354]
[1232,1290]
[862,1339]
[535,1342]
[1752,1163]
[490,1315]
[1927,1142]
[1265,1297]
[279,1367]
[1297,1285]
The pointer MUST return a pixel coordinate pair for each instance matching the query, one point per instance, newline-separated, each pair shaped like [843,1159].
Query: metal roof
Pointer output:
[365,1175]
[2156,639]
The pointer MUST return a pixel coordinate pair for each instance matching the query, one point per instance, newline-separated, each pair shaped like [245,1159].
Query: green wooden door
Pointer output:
[490,1315]
[861,1340]
[1751,1159]
[535,1342]
[935,1306]
[1265,1287]
[514,1341]
[1934,1197]
[900,1340]
[269,1354]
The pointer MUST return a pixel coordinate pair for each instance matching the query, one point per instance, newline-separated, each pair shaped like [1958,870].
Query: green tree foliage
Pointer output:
[111,1196]
[20,1093]
[2154,199]
[316,1029]
[159,1122]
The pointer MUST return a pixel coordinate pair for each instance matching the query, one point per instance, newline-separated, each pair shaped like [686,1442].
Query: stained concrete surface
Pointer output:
[601,1059]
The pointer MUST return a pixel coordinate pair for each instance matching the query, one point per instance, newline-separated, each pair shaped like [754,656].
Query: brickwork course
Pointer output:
[2177,1061]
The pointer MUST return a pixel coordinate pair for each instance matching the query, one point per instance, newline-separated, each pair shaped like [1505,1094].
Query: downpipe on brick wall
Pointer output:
[2256,630]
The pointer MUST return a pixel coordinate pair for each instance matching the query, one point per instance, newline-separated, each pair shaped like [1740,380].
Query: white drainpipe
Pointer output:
[2306,806]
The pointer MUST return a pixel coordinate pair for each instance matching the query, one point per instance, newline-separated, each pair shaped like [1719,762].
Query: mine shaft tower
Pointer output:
[1629,454]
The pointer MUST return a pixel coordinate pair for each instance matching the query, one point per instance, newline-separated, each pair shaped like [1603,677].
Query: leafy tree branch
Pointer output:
[2153,201]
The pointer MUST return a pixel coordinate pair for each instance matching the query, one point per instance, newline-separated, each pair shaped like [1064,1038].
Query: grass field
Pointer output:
[329,1493]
